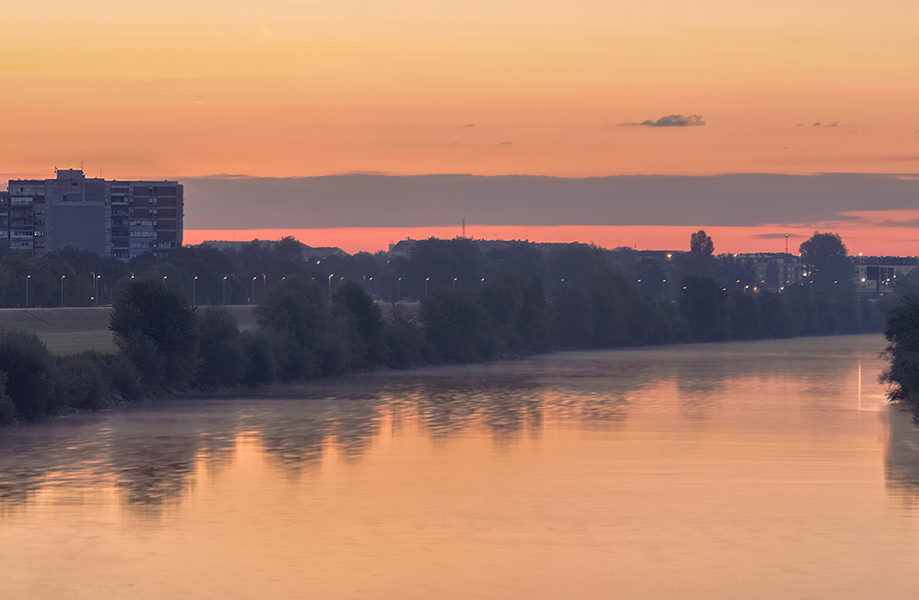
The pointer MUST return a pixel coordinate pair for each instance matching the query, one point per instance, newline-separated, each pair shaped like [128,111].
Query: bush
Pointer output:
[155,327]
[31,373]
[220,354]
[7,408]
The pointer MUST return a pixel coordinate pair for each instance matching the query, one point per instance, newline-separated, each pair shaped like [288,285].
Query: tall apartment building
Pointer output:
[120,219]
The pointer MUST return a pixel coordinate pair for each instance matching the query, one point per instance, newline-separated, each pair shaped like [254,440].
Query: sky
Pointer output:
[576,89]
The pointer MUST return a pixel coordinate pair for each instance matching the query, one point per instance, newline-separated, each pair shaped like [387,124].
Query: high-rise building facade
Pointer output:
[120,219]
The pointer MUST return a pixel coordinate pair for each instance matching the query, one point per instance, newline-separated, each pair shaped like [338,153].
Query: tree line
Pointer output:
[482,305]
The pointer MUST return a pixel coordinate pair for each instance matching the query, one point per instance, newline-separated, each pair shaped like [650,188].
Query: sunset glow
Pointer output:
[177,89]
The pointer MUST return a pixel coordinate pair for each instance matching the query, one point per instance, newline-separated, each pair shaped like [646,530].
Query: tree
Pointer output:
[220,353]
[827,259]
[902,331]
[156,328]
[700,243]
[703,305]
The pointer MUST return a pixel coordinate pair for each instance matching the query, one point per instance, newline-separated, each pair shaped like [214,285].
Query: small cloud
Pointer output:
[774,236]
[467,126]
[785,148]
[506,144]
[817,124]
[800,125]
[670,121]
[833,124]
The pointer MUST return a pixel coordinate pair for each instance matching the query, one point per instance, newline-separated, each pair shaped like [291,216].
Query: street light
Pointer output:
[398,290]
[28,277]
[253,289]
[96,291]
[224,290]
[454,283]
[194,290]
[62,290]
[330,286]
[426,286]
[264,285]
[164,279]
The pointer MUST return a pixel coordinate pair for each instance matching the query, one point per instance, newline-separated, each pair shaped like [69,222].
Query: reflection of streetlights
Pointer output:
[62,290]
[224,284]
[28,277]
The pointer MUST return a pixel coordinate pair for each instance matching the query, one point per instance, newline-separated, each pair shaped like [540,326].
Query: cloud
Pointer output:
[817,124]
[466,126]
[506,144]
[775,236]
[670,121]
[833,124]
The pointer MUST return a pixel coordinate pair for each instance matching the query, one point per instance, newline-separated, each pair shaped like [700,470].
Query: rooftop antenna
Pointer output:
[464,227]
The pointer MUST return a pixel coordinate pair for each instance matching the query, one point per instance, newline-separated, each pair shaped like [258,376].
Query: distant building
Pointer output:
[877,275]
[775,270]
[119,219]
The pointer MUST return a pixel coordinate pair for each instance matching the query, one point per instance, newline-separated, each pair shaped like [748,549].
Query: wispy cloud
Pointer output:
[506,144]
[670,121]
[775,236]
[466,126]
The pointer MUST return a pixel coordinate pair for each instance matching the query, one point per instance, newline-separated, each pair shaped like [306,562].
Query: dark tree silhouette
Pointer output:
[701,243]
[827,259]
[156,328]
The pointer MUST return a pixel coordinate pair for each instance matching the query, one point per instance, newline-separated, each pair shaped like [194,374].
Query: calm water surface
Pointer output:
[746,470]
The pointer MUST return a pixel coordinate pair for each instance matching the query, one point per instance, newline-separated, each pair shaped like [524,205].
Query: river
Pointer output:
[768,469]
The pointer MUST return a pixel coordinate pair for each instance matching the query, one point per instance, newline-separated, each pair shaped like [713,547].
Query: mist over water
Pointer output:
[752,469]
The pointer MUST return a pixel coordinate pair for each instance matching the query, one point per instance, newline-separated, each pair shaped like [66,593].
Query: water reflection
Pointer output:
[901,457]
[152,455]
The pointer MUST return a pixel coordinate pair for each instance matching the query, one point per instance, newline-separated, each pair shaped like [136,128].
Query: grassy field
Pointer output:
[69,330]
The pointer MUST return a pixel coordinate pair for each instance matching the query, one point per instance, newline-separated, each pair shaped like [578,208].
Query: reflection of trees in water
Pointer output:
[901,458]
[154,453]
[150,469]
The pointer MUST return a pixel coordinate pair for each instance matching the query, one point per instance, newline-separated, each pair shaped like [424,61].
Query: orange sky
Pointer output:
[277,88]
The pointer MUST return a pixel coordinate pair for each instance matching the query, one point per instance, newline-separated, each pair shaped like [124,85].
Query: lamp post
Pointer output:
[28,277]
[454,283]
[224,290]
[96,291]
[426,286]
[194,290]
[481,283]
[253,290]
[330,287]
[62,290]
[164,279]
[264,285]
[370,286]
[399,290]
